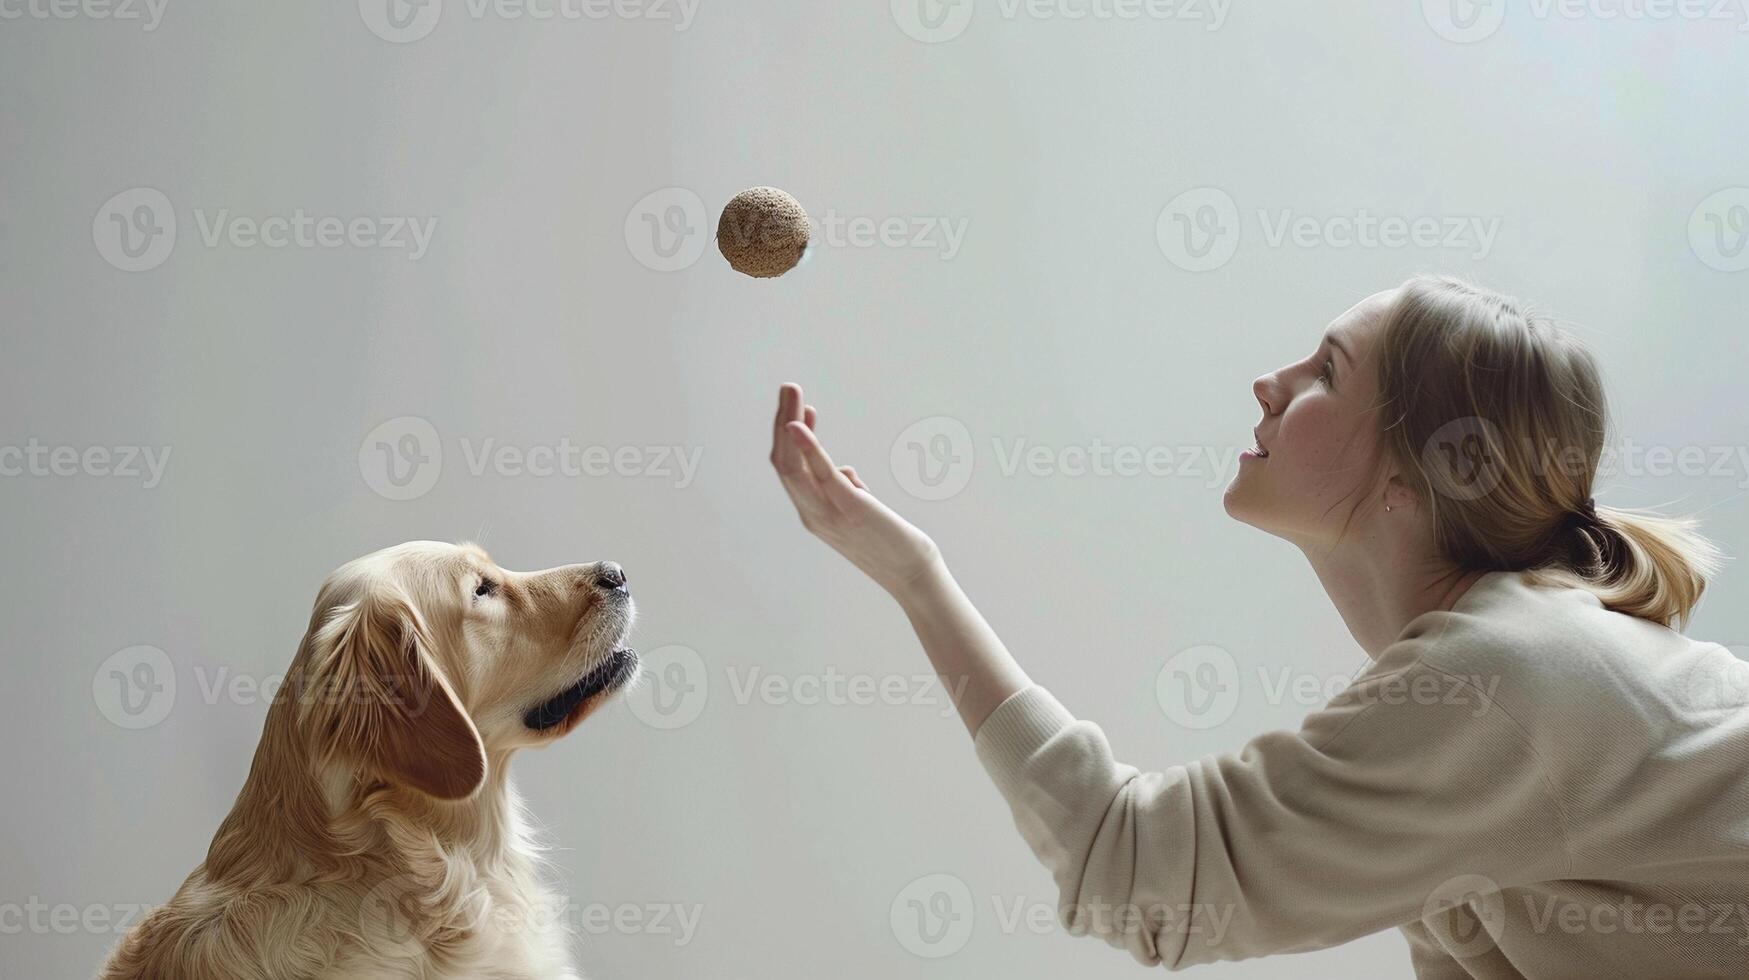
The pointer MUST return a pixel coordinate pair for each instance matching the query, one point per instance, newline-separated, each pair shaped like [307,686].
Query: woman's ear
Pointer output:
[1397,496]
[375,696]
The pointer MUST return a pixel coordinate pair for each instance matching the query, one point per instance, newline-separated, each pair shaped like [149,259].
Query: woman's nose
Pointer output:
[1265,390]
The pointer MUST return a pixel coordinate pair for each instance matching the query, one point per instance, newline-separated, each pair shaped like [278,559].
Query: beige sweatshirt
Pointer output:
[1529,785]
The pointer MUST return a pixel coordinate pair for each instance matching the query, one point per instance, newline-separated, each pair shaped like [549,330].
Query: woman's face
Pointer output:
[1320,437]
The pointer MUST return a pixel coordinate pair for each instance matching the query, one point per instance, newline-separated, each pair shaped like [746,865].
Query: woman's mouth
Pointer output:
[1256,451]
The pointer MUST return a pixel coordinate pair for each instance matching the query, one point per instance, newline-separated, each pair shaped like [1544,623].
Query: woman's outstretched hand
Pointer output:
[835,505]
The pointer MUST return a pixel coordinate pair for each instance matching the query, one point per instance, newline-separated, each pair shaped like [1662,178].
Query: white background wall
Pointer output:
[1590,145]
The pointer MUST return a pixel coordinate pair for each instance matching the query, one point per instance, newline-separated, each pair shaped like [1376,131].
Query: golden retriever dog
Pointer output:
[378,834]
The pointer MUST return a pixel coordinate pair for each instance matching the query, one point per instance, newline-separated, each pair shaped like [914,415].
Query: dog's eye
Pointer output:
[485,588]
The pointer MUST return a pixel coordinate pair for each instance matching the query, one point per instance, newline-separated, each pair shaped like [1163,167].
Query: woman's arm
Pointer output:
[965,651]
[836,507]
[1363,819]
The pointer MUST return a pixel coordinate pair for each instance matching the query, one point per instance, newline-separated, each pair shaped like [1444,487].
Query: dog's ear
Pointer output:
[374,695]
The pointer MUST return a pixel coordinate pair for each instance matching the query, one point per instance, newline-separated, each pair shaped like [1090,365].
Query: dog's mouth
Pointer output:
[570,705]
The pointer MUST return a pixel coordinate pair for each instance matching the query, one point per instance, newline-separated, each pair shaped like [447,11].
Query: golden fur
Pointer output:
[378,834]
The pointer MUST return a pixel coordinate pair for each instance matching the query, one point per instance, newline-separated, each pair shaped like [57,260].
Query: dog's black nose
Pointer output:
[609,575]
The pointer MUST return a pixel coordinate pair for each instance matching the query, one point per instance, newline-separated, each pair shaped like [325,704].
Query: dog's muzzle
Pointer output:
[604,679]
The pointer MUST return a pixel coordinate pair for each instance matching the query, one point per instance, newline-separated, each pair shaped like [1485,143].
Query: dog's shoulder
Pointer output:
[213,931]
[411,925]
[480,915]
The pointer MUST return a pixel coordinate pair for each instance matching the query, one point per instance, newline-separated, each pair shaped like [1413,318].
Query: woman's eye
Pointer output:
[485,588]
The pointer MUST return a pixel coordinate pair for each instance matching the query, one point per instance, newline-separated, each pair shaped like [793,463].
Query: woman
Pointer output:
[1537,774]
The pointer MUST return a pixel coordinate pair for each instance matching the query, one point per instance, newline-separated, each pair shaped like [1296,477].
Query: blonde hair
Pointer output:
[1498,419]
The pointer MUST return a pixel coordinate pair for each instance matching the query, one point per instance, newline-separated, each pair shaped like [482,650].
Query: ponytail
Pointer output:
[1471,378]
[1636,562]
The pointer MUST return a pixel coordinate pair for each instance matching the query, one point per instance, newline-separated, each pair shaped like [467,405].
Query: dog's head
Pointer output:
[425,659]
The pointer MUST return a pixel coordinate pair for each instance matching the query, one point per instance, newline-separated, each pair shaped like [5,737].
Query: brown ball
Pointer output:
[763,232]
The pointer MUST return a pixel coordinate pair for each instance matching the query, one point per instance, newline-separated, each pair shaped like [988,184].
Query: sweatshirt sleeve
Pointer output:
[1388,802]
[1428,959]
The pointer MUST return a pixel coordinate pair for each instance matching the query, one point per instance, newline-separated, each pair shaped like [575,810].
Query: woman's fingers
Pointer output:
[814,458]
[811,418]
[835,485]
[786,456]
[816,486]
[835,504]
